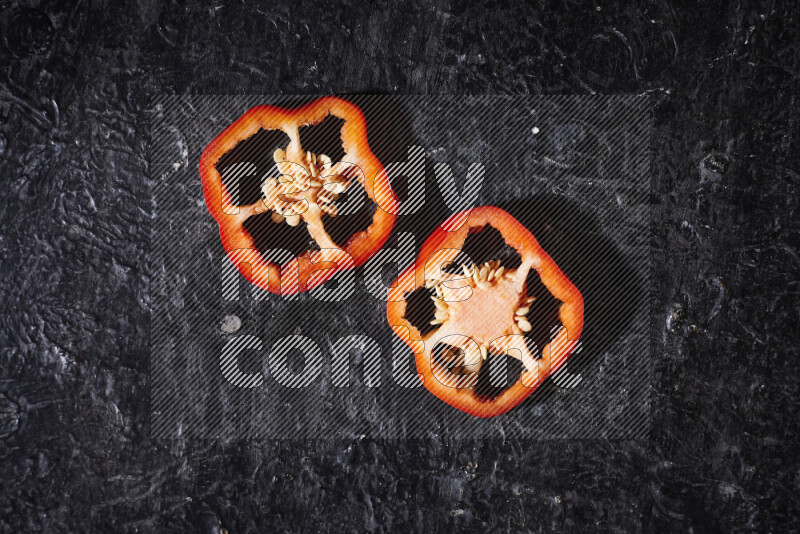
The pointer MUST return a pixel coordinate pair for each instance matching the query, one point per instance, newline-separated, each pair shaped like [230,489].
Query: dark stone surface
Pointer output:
[75,455]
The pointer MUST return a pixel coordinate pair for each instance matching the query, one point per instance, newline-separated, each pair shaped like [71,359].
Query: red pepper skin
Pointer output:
[293,276]
[451,235]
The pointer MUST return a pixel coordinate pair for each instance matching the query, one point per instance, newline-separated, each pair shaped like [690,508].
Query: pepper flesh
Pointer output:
[305,190]
[482,312]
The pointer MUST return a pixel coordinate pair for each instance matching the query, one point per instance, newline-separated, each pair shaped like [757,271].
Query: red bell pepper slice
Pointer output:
[482,312]
[306,190]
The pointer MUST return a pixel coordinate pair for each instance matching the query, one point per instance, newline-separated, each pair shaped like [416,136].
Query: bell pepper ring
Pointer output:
[481,313]
[306,190]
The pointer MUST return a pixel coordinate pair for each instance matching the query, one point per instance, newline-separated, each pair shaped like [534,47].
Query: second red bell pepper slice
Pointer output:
[482,313]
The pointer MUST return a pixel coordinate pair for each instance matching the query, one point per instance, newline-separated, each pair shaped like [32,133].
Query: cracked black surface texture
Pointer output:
[75,80]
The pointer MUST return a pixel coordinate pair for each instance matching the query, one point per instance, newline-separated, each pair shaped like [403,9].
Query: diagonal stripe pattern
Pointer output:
[574,170]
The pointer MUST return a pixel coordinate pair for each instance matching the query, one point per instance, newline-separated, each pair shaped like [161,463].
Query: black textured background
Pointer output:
[75,455]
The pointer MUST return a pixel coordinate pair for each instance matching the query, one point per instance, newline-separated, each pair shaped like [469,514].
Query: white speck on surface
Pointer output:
[230,324]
